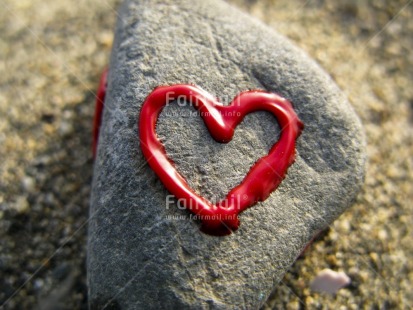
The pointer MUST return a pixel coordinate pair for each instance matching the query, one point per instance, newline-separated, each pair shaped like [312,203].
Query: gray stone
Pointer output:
[141,258]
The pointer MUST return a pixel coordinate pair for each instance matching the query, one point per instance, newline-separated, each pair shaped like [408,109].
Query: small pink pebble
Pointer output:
[329,281]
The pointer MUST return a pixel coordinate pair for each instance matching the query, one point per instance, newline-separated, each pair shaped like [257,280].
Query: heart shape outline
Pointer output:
[263,177]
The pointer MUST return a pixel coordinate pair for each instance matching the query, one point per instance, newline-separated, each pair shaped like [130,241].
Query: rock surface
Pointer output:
[139,255]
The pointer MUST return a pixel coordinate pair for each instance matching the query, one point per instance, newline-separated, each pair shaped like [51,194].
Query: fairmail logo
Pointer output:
[183,204]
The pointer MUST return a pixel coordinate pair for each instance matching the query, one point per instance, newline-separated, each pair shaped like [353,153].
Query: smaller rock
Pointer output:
[28,184]
[329,281]
[21,206]
[66,124]
[65,128]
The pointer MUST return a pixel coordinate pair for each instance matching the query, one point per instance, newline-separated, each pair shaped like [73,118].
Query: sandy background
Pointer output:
[51,56]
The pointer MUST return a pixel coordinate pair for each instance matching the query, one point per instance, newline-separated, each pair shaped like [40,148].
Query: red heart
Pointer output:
[262,179]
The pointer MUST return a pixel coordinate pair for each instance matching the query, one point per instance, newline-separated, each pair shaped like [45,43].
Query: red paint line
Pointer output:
[262,179]
[97,120]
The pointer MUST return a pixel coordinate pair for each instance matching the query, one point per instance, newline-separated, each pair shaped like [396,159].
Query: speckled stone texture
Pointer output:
[145,252]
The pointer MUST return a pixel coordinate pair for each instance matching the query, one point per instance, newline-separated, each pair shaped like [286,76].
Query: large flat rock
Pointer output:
[145,252]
